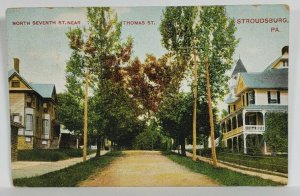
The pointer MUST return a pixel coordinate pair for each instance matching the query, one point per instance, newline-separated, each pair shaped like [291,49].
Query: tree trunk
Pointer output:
[182,144]
[98,146]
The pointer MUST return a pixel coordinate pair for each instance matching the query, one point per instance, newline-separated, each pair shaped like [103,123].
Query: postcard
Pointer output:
[149,96]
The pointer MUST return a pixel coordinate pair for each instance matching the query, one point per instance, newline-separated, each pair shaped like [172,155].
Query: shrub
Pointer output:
[276,133]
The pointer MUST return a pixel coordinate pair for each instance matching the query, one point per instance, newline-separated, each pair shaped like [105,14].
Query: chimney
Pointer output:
[17,64]
[284,50]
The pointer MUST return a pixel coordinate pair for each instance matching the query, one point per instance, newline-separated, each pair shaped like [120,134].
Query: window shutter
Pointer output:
[243,100]
[247,99]
[269,97]
[229,109]
[253,97]
[278,97]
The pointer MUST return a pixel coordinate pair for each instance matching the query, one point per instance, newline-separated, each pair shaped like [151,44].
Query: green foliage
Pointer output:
[222,176]
[70,176]
[115,113]
[70,112]
[276,134]
[49,154]
[151,138]
[216,34]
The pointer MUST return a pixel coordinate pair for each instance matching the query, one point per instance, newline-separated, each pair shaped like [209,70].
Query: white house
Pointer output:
[252,95]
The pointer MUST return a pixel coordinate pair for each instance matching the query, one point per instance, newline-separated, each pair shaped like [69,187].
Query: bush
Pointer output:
[276,133]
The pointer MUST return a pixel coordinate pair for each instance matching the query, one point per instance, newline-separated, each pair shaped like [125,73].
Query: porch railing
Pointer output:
[254,128]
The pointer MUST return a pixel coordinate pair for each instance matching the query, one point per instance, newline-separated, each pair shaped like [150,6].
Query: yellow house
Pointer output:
[252,96]
[32,106]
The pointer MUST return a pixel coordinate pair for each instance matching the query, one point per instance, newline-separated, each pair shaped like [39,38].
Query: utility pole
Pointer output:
[195,105]
[211,118]
[85,115]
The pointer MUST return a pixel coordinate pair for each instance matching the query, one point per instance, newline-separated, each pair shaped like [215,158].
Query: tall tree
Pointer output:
[217,42]
[99,49]
[177,29]
[210,31]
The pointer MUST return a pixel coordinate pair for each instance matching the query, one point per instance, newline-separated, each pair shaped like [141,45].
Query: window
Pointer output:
[229,109]
[234,107]
[29,121]
[44,142]
[251,97]
[285,63]
[273,97]
[15,83]
[46,126]
[27,139]
[16,118]
[45,107]
[29,101]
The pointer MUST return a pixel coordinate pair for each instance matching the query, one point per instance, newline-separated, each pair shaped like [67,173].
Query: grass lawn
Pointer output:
[278,164]
[71,176]
[223,176]
[49,154]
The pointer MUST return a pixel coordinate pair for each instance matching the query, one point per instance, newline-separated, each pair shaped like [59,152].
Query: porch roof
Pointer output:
[257,107]
[268,107]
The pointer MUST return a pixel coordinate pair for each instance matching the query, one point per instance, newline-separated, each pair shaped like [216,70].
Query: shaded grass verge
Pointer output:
[49,154]
[70,176]
[221,175]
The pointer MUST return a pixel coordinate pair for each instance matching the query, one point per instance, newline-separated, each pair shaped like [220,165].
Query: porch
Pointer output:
[237,126]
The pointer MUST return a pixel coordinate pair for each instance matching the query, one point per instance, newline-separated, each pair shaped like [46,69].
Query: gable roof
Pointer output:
[45,90]
[13,72]
[239,68]
[273,79]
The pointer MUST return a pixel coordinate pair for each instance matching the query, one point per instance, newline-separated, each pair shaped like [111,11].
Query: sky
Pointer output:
[43,50]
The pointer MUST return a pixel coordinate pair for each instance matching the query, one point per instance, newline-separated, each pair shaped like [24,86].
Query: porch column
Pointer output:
[264,114]
[265,147]
[245,144]
[232,144]
[244,121]
[237,144]
[226,126]
[231,124]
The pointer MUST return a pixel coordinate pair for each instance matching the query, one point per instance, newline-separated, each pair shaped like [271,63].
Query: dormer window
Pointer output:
[15,84]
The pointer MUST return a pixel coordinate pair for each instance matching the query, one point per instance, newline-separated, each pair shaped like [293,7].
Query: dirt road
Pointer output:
[147,168]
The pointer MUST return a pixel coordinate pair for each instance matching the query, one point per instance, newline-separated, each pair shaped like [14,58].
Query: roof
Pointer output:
[231,99]
[273,63]
[45,90]
[268,107]
[13,72]
[15,124]
[273,79]
[239,68]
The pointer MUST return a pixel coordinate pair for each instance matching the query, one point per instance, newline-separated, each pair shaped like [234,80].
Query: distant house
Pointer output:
[252,95]
[33,107]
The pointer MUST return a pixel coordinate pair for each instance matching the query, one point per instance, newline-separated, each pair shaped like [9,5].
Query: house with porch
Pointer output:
[33,107]
[253,95]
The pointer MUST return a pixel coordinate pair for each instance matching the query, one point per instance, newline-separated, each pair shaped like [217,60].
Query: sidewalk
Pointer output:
[21,169]
[280,179]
